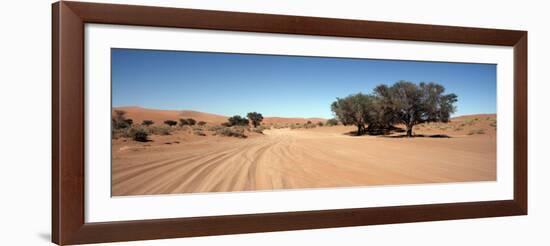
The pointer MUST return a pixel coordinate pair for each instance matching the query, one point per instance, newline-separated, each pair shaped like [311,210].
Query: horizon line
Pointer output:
[270,116]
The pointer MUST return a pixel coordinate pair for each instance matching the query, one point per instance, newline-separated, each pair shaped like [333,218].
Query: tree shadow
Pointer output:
[377,132]
[419,136]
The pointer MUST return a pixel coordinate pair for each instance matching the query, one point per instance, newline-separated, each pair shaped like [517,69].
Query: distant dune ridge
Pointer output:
[138,114]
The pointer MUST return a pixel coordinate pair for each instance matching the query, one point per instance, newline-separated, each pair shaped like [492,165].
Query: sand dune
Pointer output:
[303,158]
[138,114]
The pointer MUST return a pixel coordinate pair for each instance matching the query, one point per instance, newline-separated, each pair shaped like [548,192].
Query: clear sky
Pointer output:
[286,86]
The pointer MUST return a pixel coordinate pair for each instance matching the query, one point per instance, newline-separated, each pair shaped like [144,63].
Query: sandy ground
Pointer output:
[303,158]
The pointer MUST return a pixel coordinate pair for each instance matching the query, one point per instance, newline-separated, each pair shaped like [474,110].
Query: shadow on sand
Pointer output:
[376,132]
[419,136]
[387,133]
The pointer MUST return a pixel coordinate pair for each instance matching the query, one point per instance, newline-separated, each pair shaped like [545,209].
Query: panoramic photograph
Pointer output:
[198,122]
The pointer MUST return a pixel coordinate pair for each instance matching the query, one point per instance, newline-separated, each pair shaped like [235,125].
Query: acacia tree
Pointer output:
[412,104]
[354,110]
[255,118]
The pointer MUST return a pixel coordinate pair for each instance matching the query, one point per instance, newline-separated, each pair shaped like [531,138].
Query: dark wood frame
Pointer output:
[68,224]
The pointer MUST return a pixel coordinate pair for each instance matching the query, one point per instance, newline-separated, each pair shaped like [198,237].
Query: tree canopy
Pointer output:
[354,110]
[255,118]
[237,120]
[403,102]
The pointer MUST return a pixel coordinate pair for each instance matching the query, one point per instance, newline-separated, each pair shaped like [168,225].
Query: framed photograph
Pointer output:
[178,123]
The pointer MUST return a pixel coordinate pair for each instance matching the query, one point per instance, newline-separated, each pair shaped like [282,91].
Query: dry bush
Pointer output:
[260,129]
[233,131]
[296,126]
[478,131]
[139,134]
[280,126]
[309,125]
[160,130]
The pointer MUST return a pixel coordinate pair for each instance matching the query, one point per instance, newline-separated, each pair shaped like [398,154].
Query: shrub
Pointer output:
[237,121]
[279,126]
[191,121]
[331,122]
[309,125]
[138,134]
[320,123]
[201,123]
[214,128]
[295,126]
[478,131]
[170,122]
[198,131]
[129,122]
[260,129]
[183,122]
[160,130]
[147,122]
[231,132]
[119,121]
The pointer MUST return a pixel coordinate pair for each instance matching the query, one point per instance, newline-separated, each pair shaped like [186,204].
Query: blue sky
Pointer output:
[286,86]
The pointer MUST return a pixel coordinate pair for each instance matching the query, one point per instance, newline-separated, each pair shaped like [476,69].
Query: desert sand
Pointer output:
[461,151]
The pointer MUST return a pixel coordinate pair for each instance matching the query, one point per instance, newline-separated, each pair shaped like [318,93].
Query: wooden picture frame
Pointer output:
[68,223]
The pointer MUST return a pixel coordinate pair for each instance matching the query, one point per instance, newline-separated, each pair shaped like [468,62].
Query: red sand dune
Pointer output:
[138,114]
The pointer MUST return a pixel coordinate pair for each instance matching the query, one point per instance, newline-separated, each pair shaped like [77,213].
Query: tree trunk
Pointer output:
[359,130]
[409,131]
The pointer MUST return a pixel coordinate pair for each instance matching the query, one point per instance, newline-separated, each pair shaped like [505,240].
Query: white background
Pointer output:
[25,123]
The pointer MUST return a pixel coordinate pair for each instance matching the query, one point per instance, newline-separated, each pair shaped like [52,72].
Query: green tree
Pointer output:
[410,104]
[354,110]
[255,118]
[170,123]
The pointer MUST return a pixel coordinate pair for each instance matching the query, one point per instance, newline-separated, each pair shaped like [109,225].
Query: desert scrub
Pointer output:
[231,132]
[309,125]
[331,122]
[280,126]
[296,126]
[138,134]
[199,132]
[214,128]
[478,131]
[260,129]
[160,130]
[119,133]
